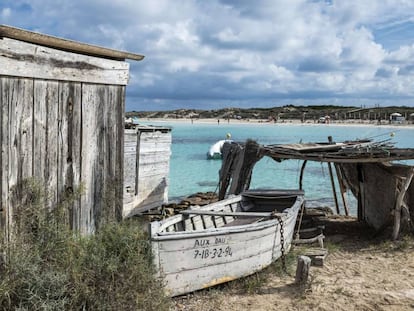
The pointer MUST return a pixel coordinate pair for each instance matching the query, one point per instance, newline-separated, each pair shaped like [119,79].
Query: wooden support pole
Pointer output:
[302,270]
[399,204]
[342,188]
[405,212]
[333,187]
[361,190]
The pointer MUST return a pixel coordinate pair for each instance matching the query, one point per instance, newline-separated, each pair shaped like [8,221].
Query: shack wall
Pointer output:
[147,163]
[61,123]
[376,187]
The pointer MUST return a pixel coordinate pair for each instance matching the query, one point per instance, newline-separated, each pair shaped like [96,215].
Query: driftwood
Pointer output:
[398,205]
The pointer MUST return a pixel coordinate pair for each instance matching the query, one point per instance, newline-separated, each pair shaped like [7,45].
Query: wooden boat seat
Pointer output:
[243,221]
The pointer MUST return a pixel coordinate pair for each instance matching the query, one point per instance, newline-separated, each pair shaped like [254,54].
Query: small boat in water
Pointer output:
[215,151]
[235,237]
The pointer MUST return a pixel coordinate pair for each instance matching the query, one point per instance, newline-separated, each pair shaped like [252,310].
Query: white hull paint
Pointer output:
[190,253]
[215,150]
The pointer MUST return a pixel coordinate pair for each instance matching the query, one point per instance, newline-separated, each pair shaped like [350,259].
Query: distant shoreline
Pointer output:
[357,122]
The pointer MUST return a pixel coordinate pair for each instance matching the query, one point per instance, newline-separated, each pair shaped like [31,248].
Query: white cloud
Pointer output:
[5,13]
[242,49]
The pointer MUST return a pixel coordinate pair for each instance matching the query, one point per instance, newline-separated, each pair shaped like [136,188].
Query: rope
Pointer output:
[302,211]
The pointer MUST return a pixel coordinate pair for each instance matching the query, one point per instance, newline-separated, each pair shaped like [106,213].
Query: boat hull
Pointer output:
[215,151]
[197,259]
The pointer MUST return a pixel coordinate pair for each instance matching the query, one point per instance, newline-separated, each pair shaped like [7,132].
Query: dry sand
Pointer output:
[360,273]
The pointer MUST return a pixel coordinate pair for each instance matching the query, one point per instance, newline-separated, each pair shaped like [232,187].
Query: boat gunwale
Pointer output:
[177,235]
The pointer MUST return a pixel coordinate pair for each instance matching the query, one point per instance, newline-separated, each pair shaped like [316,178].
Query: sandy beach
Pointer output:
[349,122]
[361,272]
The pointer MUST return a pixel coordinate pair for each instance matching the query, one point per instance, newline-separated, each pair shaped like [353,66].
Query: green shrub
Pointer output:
[49,267]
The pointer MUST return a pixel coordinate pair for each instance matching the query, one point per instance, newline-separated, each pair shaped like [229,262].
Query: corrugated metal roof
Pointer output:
[65,44]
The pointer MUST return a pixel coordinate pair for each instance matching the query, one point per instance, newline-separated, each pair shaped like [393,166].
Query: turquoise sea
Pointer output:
[191,172]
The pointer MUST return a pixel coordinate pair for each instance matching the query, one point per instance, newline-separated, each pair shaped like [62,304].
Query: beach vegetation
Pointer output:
[309,113]
[47,266]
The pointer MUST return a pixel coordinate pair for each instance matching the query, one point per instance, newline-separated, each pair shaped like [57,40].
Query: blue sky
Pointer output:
[209,54]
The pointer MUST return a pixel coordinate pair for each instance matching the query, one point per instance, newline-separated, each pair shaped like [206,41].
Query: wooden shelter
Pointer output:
[384,190]
[146,168]
[62,123]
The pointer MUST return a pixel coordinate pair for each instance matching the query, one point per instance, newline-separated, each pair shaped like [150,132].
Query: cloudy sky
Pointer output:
[209,54]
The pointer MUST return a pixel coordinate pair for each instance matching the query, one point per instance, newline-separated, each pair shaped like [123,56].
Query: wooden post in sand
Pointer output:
[302,269]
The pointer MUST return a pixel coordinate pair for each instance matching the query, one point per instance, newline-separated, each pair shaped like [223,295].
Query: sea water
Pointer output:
[191,172]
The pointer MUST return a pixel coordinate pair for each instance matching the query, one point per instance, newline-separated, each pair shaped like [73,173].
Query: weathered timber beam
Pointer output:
[332,159]
[64,44]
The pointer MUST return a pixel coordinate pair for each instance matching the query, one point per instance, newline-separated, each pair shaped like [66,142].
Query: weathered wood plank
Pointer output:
[45,136]
[40,97]
[102,153]
[89,155]
[24,107]
[20,148]
[146,169]
[68,145]
[24,59]
[4,158]
[67,45]
[16,139]
[113,162]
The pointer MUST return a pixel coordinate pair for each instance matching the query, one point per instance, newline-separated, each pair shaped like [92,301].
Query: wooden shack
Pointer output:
[383,188]
[62,123]
[146,168]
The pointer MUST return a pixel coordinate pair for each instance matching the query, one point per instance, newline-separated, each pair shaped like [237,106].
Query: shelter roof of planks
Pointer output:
[65,44]
[360,151]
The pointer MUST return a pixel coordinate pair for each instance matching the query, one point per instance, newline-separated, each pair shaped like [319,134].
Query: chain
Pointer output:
[282,243]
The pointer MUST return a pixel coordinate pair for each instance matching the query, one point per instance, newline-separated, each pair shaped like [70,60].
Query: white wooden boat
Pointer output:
[223,241]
